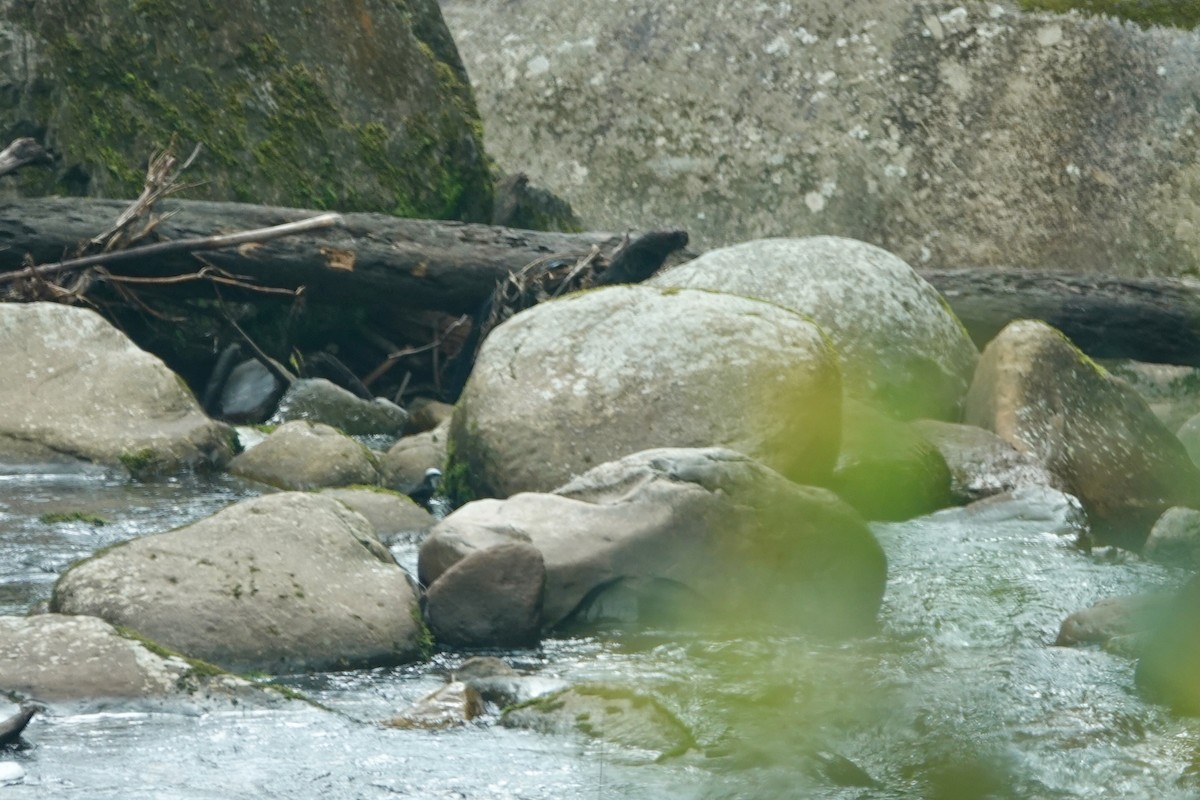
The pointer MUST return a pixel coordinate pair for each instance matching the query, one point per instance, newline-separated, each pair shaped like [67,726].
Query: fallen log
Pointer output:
[380,261]
[371,259]
[1147,319]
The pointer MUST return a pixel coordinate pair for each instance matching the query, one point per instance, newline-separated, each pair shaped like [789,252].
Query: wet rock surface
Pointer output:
[80,389]
[280,583]
[1094,432]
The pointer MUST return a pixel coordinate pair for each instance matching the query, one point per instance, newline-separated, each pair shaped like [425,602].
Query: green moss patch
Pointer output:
[1169,13]
[285,116]
[60,517]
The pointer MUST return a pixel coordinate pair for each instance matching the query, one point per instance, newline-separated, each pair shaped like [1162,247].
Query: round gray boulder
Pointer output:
[279,583]
[586,379]
[899,345]
[307,455]
[75,385]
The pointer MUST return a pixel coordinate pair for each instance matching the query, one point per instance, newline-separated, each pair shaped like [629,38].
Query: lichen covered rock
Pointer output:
[1042,395]
[279,583]
[588,378]
[899,345]
[955,134]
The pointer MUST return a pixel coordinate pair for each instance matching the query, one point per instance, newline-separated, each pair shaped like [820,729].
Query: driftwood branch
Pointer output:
[379,261]
[162,179]
[371,260]
[19,153]
[193,245]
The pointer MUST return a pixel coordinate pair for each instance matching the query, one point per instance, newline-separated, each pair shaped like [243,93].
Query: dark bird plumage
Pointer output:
[11,728]
[423,492]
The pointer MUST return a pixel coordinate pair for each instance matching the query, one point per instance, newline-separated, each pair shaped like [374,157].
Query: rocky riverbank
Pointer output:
[699,453]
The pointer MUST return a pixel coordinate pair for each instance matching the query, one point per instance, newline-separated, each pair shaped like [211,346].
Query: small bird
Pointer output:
[423,492]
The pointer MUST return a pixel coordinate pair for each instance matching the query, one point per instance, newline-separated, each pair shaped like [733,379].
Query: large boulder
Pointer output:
[899,345]
[1046,398]
[311,108]
[706,534]
[954,135]
[586,379]
[56,658]
[75,385]
[279,583]
[307,455]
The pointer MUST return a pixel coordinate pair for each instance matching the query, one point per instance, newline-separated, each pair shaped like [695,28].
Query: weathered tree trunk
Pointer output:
[373,259]
[1148,319]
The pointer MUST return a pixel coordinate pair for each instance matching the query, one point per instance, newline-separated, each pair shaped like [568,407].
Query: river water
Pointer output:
[960,695]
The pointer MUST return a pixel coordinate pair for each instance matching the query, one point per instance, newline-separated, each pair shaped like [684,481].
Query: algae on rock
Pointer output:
[296,103]
[1143,12]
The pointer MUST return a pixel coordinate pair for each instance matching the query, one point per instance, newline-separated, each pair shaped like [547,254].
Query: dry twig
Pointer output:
[195,244]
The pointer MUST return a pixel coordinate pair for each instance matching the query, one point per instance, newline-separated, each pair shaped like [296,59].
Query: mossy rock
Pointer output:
[296,103]
[1174,13]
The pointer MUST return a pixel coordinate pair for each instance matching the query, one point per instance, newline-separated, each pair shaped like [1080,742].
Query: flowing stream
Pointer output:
[960,695]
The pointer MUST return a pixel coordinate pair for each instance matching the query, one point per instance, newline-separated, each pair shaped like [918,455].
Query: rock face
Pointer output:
[592,377]
[293,108]
[306,455]
[56,658]
[958,135]
[707,535]
[899,346]
[1043,396]
[279,583]
[77,386]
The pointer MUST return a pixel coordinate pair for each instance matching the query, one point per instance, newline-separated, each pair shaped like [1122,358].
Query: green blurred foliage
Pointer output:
[1174,13]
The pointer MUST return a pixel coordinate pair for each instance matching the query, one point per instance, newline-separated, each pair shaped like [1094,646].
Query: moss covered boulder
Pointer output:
[1094,432]
[315,104]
